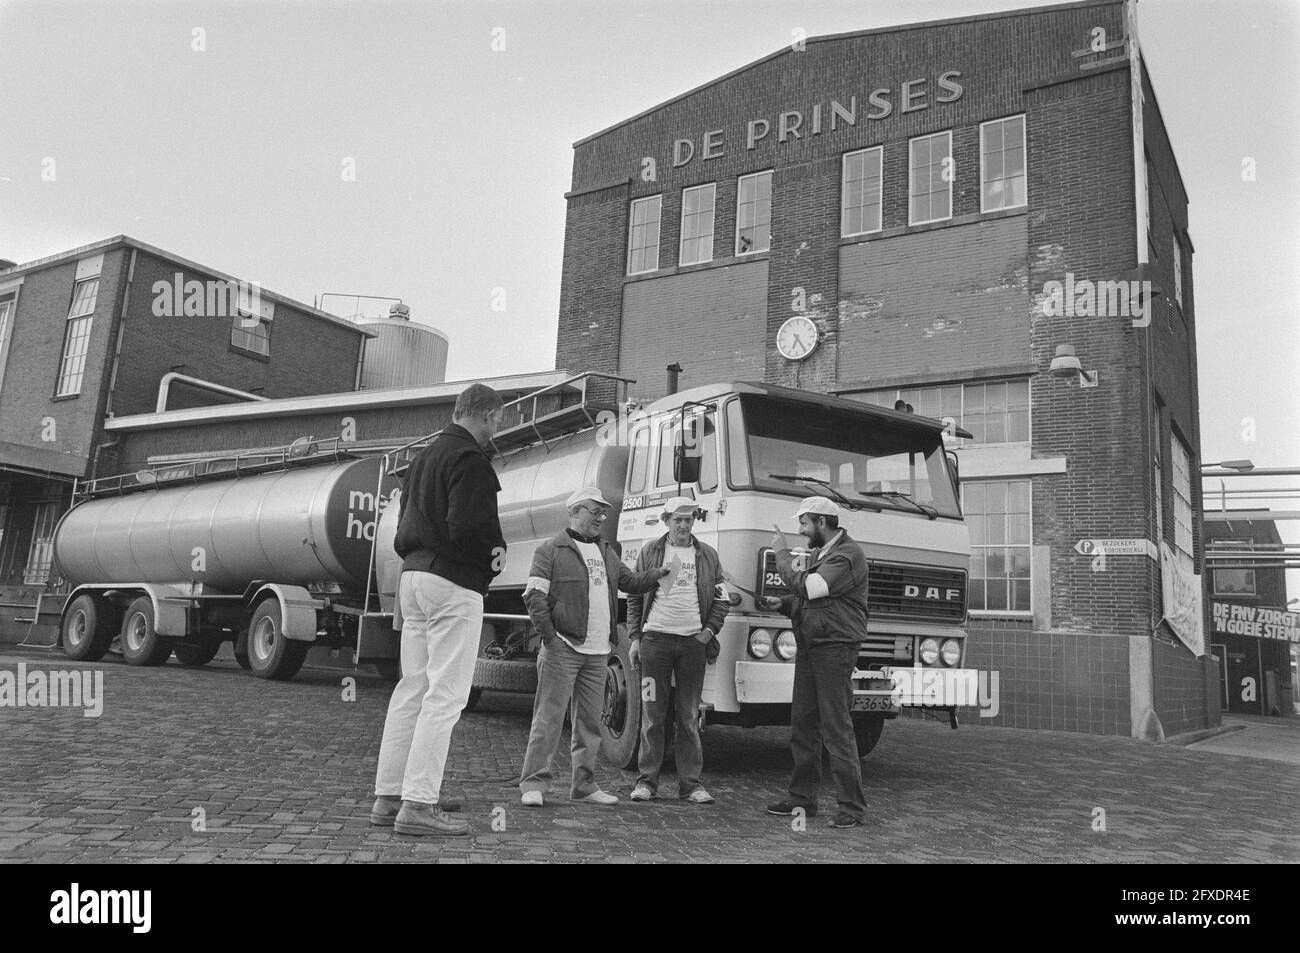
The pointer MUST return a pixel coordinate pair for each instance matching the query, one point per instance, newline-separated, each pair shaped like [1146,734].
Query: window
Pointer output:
[76,338]
[84,294]
[754,213]
[1234,582]
[697,225]
[1157,470]
[1178,271]
[41,554]
[737,447]
[860,192]
[997,512]
[251,333]
[1002,164]
[930,179]
[640,460]
[993,411]
[1182,497]
[708,449]
[643,235]
[6,313]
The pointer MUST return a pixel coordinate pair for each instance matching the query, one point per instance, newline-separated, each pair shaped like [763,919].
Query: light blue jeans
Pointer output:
[565,679]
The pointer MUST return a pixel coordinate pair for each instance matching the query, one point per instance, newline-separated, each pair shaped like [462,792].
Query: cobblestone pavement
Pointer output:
[283,772]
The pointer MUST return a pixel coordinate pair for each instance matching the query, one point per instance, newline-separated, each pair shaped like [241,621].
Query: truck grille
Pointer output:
[924,593]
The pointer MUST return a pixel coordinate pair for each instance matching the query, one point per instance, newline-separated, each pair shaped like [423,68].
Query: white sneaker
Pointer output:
[600,797]
[532,799]
[642,792]
[700,796]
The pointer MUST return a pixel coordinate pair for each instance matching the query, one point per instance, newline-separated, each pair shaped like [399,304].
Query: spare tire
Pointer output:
[517,675]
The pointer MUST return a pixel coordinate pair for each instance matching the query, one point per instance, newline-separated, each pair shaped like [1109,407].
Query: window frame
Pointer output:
[1024,150]
[45,554]
[1221,544]
[658,199]
[1182,503]
[713,221]
[739,187]
[1004,546]
[1178,271]
[880,192]
[238,327]
[952,441]
[911,178]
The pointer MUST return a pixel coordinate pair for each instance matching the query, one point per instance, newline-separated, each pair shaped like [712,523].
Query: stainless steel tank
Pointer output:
[535,482]
[302,525]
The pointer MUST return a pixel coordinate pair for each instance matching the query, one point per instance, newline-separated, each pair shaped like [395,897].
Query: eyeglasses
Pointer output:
[598,512]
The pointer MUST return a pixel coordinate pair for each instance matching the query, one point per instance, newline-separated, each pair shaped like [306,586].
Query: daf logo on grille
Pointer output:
[931,592]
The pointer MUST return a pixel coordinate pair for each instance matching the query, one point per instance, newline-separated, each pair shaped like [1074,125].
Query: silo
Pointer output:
[404,353]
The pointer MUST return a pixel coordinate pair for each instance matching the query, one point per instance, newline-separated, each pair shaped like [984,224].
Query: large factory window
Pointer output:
[997,512]
[993,411]
[754,213]
[1233,582]
[1002,164]
[860,191]
[697,224]
[76,339]
[6,312]
[1182,468]
[249,333]
[1178,271]
[930,179]
[643,235]
[41,554]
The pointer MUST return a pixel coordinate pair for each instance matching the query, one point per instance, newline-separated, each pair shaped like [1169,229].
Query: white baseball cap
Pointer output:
[675,504]
[817,506]
[591,493]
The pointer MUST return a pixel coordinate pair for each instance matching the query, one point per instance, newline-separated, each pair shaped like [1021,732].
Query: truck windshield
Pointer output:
[895,466]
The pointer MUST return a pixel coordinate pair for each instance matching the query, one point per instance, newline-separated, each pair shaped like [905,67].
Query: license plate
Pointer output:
[872,703]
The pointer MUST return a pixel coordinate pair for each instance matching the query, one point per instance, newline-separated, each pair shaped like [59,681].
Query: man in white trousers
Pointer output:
[449,538]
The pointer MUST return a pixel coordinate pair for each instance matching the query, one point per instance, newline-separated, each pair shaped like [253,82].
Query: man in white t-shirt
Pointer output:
[572,598]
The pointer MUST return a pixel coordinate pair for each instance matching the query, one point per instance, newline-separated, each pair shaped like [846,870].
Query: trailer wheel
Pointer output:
[141,643]
[620,723]
[88,628]
[867,729]
[270,654]
[194,656]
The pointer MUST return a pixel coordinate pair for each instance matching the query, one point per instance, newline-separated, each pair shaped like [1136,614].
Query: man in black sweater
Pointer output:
[449,538]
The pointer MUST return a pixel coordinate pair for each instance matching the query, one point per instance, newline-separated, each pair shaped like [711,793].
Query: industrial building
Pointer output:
[982,218]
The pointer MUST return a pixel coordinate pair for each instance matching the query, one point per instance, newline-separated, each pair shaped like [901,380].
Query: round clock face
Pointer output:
[797,338]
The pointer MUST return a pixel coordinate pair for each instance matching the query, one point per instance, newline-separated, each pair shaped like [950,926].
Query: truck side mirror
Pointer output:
[686,466]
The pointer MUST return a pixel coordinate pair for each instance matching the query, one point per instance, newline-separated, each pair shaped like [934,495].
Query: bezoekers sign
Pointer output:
[793,124]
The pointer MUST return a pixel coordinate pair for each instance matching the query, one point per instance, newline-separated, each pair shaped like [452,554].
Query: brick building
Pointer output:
[118,328]
[916,193]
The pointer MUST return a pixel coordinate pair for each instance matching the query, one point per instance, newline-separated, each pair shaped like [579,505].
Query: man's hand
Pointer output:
[771,603]
[662,571]
[634,653]
[779,542]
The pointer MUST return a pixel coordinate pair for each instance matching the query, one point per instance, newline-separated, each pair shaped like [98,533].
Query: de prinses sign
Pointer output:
[793,124]
[1257,621]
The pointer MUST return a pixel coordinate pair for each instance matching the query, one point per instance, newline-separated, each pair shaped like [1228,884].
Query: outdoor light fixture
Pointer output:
[1242,465]
[1066,366]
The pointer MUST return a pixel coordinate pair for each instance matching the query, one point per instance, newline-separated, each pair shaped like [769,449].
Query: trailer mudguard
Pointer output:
[298,610]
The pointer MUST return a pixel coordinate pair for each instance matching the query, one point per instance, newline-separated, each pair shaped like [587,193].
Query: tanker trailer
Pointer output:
[271,551]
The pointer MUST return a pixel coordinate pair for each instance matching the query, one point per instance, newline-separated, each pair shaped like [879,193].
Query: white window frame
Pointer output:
[911,178]
[739,188]
[712,191]
[1018,613]
[1178,271]
[984,171]
[1234,544]
[844,192]
[950,439]
[40,552]
[1184,531]
[632,226]
[8,310]
[242,338]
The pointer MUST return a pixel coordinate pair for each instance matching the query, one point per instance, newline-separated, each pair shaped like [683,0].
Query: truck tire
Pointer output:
[88,628]
[620,721]
[194,655]
[867,729]
[270,654]
[506,675]
[141,643]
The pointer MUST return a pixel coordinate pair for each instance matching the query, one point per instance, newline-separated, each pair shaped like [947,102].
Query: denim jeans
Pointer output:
[820,716]
[565,679]
[662,656]
[441,627]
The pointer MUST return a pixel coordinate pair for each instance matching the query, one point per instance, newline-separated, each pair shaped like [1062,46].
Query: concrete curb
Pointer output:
[1191,737]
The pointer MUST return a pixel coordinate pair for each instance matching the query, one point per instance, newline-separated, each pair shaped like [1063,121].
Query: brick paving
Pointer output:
[282,772]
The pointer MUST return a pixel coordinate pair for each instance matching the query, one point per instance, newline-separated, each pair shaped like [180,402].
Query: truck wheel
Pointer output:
[193,655]
[141,643]
[270,654]
[867,728]
[88,628]
[620,722]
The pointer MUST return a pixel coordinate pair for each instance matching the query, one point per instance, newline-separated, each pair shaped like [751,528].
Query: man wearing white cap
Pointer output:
[828,606]
[672,634]
[572,598]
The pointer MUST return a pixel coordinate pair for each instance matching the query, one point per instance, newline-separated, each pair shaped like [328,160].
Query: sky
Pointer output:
[421,150]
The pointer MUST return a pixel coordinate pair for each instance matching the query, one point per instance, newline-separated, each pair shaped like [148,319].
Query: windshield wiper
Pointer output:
[835,494]
[929,511]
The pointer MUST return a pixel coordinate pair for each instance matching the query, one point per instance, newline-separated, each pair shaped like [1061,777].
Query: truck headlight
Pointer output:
[785,645]
[950,652]
[929,651]
[760,643]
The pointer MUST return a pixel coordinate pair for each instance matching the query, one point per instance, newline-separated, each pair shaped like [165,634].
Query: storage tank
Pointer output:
[535,482]
[404,353]
[301,525]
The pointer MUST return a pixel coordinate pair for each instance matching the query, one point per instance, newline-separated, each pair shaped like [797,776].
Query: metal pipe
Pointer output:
[164,386]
